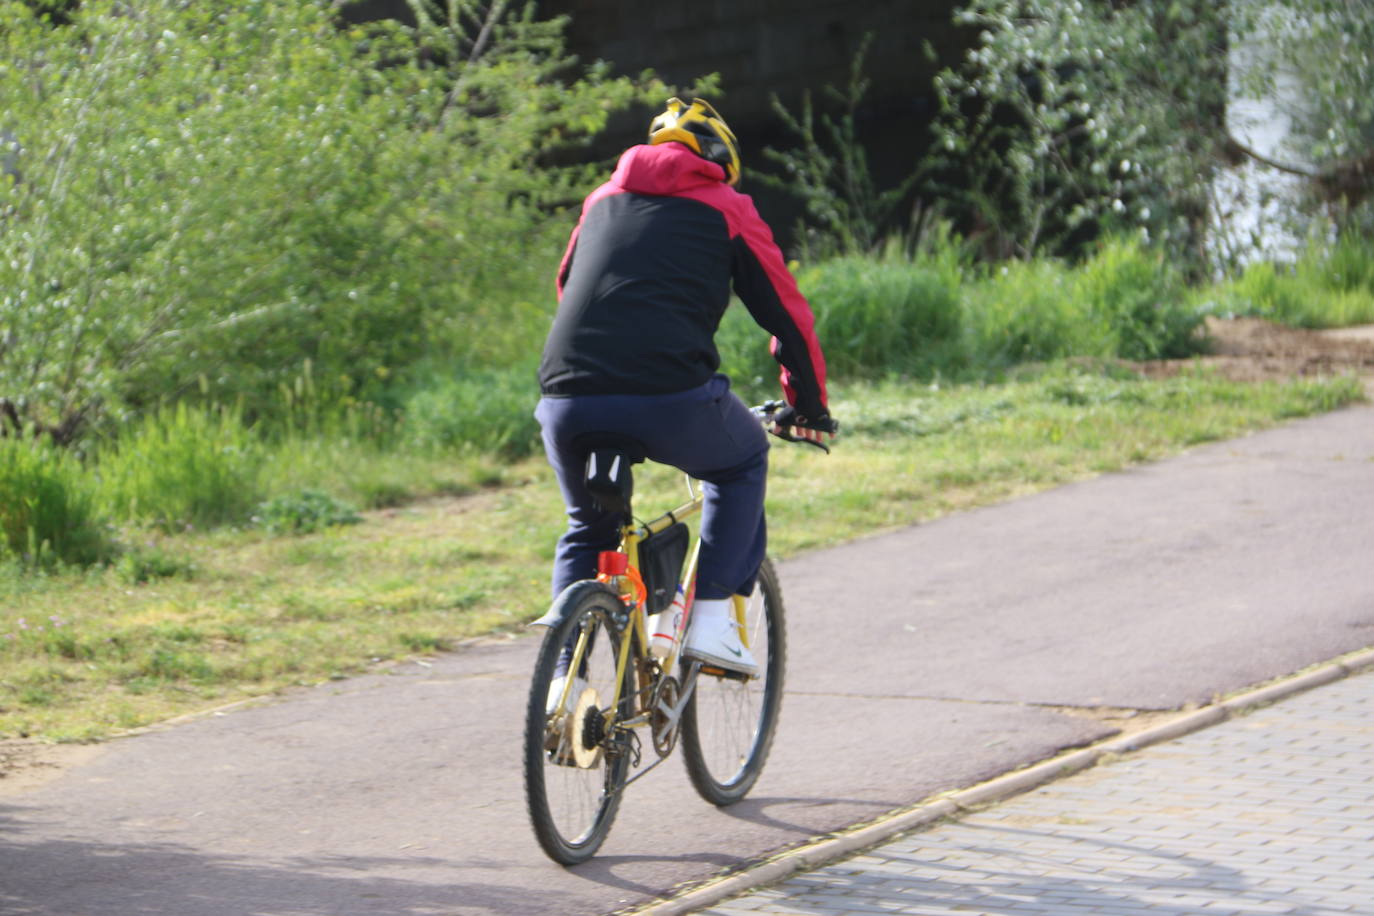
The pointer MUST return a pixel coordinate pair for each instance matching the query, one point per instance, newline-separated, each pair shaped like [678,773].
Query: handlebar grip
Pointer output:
[788,437]
[783,417]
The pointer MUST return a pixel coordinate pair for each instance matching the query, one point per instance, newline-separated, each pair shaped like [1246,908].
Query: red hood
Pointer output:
[666,168]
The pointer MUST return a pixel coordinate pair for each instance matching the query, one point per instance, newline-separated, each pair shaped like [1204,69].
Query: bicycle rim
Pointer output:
[727,727]
[573,793]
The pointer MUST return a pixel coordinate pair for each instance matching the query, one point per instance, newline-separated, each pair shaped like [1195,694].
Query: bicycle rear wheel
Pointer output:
[573,773]
[727,727]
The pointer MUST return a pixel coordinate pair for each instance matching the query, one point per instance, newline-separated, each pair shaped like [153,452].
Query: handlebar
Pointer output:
[765,412]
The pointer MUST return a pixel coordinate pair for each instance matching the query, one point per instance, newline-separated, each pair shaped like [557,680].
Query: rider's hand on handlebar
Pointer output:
[788,423]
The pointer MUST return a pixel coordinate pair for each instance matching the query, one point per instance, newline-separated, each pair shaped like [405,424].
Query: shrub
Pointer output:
[1070,117]
[139,565]
[885,316]
[1347,264]
[879,315]
[1328,286]
[212,193]
[47,512]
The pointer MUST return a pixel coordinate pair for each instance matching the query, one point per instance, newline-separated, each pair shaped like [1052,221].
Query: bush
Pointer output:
[875,316]
[883,316]
[1123,302]
[212,193]
[932,315]
[140,565]
[1070,118]
[1347,264]
[47,512]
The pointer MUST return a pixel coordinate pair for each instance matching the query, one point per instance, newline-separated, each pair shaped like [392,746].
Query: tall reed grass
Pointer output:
[48,511]
[465,410]
[1330,285]
[182,466]
[936,315]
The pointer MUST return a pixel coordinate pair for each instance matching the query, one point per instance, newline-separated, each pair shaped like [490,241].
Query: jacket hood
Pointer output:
[665,168]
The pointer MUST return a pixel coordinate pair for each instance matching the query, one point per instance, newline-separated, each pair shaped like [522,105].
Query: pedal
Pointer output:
[728,675]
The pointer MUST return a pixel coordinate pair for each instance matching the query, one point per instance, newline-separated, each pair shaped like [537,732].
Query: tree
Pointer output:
[1084,116]
[216,197]
[1074,116]
[1321,50]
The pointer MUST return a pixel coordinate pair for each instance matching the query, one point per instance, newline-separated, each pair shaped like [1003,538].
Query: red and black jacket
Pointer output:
[647,277]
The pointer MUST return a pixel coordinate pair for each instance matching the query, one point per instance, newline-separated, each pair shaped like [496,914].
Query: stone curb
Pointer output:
[833,847]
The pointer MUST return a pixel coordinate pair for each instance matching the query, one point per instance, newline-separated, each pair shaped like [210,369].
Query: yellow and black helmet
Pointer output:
[704,132]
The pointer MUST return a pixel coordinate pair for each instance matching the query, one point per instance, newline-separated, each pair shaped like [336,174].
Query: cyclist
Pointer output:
[642,287]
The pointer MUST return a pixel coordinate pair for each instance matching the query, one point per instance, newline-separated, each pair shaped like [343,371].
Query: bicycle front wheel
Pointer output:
[727,727]
[574,771]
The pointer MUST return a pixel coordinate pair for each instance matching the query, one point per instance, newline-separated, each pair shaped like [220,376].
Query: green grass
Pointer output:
[48,510]
[938,315]
[190,620]
[183,467]
[1329,286]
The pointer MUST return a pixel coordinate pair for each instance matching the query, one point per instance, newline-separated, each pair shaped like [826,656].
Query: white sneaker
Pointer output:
[716,640]
[556,690]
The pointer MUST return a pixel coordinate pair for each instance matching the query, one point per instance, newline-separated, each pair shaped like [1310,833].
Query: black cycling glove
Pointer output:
[788,416]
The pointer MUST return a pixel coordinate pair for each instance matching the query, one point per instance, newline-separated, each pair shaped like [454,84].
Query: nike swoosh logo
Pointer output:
[737,653]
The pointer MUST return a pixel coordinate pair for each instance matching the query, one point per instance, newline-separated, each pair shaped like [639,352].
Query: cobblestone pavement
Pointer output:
[1269,813]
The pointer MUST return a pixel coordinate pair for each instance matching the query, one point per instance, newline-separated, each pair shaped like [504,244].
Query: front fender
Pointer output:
[571,597]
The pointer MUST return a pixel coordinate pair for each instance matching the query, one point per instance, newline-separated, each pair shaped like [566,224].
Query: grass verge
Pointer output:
[192,620]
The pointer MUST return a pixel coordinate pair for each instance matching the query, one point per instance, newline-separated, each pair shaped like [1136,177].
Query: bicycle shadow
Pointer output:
[603,870]
[761,811]
[606,869]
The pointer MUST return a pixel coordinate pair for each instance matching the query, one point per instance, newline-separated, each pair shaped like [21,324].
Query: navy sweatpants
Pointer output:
[706,432]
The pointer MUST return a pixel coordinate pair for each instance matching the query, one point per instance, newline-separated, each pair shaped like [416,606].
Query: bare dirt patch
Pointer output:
[1253,350]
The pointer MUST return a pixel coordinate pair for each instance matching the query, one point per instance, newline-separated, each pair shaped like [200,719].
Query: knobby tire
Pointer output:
[728,725]
[572,806]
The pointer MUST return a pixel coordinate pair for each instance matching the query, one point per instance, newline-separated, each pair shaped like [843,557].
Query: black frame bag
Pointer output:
[660,563]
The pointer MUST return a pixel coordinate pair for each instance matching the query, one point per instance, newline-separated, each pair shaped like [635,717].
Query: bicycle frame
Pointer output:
[601,683]
[619,569]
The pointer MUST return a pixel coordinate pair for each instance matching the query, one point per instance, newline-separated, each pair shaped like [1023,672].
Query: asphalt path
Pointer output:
[922,660]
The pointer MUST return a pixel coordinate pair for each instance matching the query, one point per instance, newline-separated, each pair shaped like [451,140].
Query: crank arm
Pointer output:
[674,713]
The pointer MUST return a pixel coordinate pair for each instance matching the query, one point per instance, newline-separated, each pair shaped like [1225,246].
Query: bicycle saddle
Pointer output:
[607,471]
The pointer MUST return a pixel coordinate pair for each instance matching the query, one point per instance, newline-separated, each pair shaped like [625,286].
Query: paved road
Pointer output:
[922,661]
[1266,814]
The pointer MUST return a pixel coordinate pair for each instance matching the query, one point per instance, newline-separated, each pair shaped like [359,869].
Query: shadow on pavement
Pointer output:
[174,880]
[759,810]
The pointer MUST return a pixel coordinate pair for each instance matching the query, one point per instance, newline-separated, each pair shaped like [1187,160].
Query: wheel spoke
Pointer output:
[728,725]
[571,784]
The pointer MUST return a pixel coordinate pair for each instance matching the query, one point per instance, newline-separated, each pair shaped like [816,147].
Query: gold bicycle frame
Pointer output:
[630,588]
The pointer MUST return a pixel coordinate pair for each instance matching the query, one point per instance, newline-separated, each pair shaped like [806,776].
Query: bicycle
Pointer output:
[582,751]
